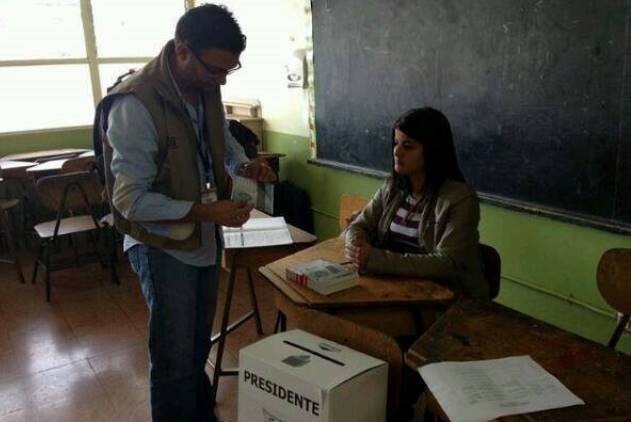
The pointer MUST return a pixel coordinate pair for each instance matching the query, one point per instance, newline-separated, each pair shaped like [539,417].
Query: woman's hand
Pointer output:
[358,252]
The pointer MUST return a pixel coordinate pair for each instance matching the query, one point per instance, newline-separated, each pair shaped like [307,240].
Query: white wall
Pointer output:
[270,26]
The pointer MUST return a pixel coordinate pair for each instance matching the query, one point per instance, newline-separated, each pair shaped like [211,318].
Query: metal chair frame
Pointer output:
[44,250]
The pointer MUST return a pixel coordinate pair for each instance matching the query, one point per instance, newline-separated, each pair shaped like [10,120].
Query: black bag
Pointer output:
[245,137]
[99,127]
[294,204]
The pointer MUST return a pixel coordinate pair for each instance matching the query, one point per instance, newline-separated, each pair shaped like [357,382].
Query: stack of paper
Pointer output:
[324,277]
[483,390]
[258,232]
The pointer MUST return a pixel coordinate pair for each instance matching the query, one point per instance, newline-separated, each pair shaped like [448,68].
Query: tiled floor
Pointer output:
[83,356]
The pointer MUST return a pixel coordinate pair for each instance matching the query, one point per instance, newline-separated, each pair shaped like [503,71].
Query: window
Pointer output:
[110,72]
[45,29]
[47,96]
[57,57]
[132,33]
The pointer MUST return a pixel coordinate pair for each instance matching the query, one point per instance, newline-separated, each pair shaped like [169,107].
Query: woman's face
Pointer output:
[409,155]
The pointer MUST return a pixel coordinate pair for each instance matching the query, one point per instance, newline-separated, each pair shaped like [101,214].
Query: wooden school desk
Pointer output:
[59,165]
[383,303]
[10,169]
[248,259]
[47,155]
[16,172]
[472,330]
[47,168]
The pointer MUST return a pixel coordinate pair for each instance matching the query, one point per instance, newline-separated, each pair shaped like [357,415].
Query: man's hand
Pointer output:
[259,170]
[225,213]
[358,252]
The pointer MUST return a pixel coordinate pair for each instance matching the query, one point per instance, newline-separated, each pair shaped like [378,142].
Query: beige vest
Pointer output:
[178,175]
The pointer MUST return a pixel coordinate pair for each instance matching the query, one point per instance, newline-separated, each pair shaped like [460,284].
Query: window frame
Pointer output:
[92,60]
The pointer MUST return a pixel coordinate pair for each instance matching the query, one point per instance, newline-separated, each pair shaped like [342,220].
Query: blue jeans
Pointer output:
[182,301]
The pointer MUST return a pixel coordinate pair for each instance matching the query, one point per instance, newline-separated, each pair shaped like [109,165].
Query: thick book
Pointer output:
[324,277]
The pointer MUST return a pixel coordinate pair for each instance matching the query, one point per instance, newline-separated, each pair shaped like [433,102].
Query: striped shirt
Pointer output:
[404,229]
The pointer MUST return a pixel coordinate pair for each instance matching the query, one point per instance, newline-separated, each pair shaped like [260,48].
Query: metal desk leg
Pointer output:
[255,306]
[224,327]
[227,328]
[281,322]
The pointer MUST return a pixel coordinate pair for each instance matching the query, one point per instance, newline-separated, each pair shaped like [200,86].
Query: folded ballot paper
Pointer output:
[260,195]
[482,390]
[325,277]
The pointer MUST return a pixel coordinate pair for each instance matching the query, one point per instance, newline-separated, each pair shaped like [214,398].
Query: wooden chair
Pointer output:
[491,268]
[356,336]
[614,282]
[349,205]
[88,163]
[74,197]
[76,164]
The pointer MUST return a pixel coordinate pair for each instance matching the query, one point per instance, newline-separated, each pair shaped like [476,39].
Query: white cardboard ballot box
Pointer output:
[298,377]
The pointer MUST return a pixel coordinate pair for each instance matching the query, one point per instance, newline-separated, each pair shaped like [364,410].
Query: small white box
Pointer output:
[242,107]
[298,377]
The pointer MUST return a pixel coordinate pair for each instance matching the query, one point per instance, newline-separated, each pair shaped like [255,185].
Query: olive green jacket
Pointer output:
[448,231]
[178,176]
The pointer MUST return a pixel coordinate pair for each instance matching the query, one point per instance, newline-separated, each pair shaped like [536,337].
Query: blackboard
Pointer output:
[538,94]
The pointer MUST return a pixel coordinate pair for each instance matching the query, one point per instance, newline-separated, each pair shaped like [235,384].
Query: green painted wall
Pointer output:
[548,267]
[13,143]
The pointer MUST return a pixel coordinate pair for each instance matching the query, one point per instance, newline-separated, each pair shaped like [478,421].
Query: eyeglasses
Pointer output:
[214,70]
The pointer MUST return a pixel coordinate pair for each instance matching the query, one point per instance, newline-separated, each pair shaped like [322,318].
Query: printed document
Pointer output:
[487,389]
[257,232]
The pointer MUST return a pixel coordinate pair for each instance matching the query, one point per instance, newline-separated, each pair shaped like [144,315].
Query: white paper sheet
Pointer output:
[258,232]
[482,390]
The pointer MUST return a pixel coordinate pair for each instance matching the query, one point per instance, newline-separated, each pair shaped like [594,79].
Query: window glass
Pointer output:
[38,29]
[39,97]
[134,29]
[110,72]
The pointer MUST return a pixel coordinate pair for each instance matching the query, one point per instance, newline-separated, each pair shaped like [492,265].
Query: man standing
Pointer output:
[167,148]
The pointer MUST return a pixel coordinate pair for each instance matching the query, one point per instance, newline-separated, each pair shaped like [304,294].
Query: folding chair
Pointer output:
[74,197]
[614,282]
[491,268]
[350,205]
[76,164]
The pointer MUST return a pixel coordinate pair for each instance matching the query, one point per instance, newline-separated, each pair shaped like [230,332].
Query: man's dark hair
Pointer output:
[210,26]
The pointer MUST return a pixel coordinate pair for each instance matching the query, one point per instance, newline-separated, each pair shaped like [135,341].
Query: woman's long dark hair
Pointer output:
[431,128]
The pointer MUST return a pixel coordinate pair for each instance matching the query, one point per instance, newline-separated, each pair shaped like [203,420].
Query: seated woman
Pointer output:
[423,221]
